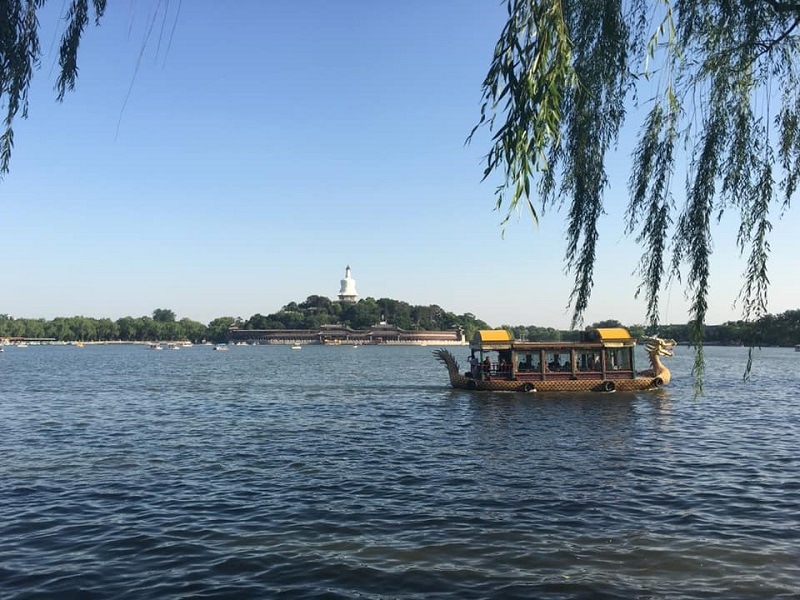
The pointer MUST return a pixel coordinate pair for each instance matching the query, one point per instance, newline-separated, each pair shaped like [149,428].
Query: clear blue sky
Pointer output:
[242,160]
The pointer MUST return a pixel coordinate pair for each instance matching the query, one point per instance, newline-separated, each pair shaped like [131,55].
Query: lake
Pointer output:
[342,472]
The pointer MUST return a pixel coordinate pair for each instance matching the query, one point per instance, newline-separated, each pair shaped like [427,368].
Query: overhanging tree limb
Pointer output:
[20,53]
[557,88]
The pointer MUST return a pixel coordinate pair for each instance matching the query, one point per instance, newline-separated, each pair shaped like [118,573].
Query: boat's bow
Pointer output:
[656,348]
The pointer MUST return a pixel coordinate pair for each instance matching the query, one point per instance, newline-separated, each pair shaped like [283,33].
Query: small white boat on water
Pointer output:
[296,347]
[221,348]
[156,347]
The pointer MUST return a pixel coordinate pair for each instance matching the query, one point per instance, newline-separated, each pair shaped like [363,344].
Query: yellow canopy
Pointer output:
[492,335]
[610,334]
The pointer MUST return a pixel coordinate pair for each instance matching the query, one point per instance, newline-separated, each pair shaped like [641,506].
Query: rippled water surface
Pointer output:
[341,472]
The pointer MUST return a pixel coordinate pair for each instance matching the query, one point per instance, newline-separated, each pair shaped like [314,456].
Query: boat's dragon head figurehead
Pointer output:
[657,347]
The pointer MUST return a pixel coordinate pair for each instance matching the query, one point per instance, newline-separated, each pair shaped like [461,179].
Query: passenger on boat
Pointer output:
[504,362]
[487,365]
[503,366]
[474,367]
[555,365]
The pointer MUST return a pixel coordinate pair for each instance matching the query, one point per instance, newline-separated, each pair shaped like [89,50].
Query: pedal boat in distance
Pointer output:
[603,361]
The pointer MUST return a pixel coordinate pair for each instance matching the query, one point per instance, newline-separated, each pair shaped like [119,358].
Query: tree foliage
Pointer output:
[20,53]
[311,314]
[722,91]
[164,315]
[769,330]
[89,329]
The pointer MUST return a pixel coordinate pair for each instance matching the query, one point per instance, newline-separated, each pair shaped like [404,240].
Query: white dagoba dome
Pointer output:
[347,293]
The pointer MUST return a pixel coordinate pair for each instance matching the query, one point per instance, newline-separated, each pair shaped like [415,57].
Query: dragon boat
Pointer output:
[604,360]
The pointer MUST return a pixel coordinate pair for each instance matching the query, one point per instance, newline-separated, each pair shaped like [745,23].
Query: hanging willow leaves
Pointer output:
[554,99]
[20,53]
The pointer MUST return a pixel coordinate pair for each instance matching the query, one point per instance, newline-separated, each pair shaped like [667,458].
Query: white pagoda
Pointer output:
[347,293]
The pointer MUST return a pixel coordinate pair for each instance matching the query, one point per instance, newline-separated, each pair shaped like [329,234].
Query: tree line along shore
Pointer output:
[770,330]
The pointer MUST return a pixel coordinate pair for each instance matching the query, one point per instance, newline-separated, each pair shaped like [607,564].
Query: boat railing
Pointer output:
[506,372]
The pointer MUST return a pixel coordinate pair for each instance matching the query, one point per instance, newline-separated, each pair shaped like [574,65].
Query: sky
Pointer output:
[225,162]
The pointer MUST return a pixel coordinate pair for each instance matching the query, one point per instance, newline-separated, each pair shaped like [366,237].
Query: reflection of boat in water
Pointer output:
[603,361]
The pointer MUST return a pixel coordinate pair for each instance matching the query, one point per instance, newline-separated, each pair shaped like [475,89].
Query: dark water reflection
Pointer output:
[356,472]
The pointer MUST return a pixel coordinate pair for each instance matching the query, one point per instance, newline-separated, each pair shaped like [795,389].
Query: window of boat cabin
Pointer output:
[529,362]
[588,361]
[618,359]
[558,361]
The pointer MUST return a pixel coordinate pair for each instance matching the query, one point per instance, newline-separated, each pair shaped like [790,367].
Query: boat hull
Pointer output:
[637,384]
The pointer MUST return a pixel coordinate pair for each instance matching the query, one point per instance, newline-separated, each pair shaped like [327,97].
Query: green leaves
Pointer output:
[77,19]
[558,80]
[530,71]
[558,86]
[19,57]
